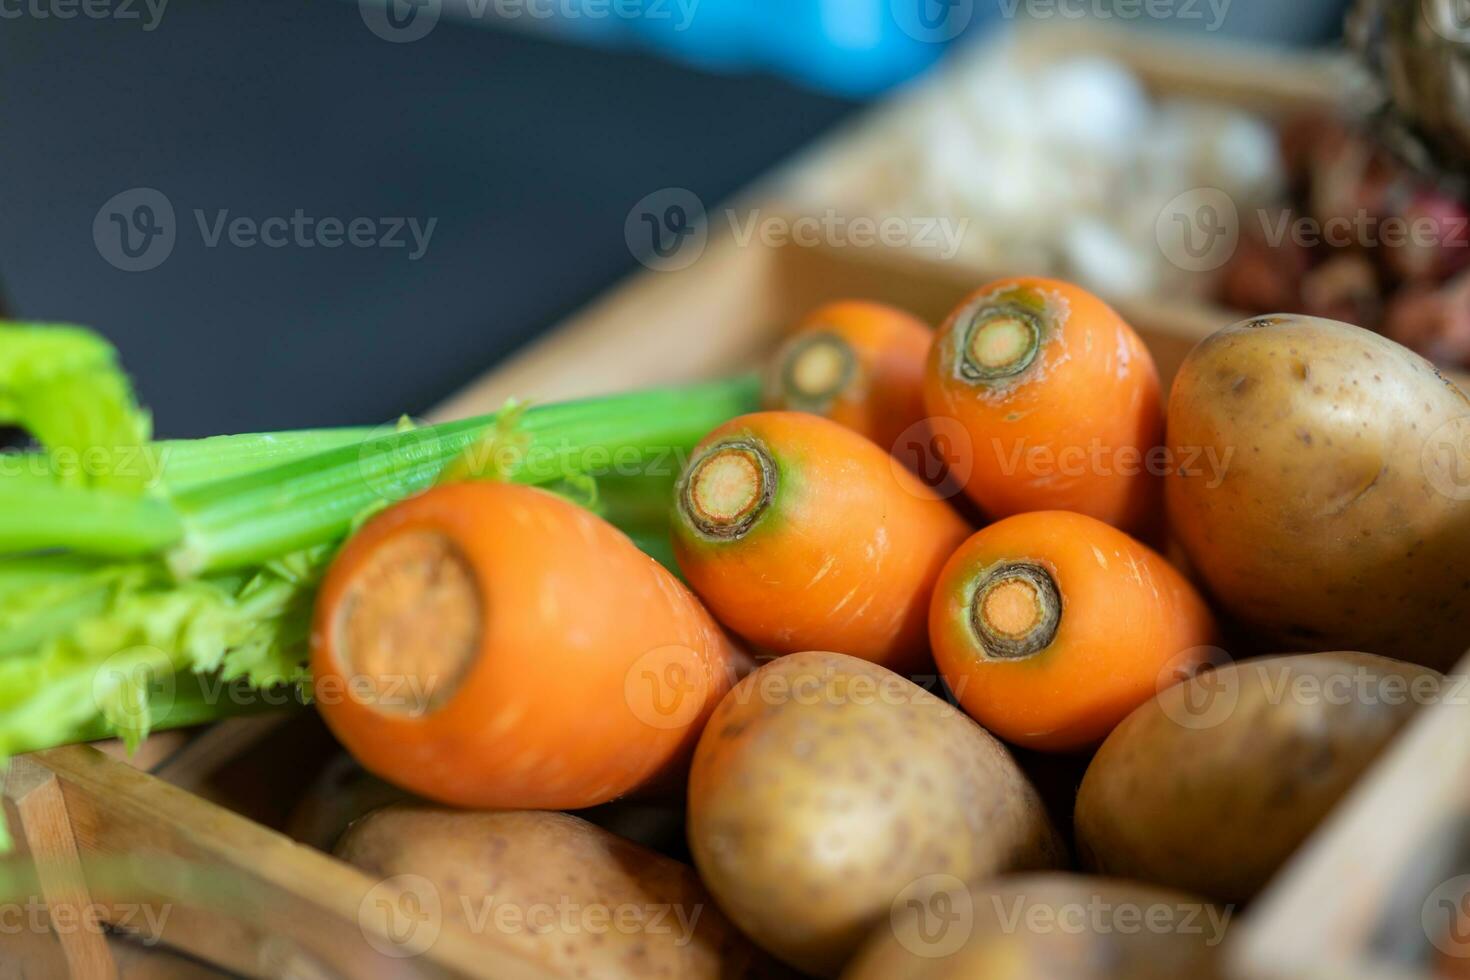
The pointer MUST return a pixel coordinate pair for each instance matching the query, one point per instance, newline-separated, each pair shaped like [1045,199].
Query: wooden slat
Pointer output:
[1380,854]
[237,894]
[42,820]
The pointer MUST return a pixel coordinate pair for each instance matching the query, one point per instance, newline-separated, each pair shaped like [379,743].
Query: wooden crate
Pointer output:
[204,810]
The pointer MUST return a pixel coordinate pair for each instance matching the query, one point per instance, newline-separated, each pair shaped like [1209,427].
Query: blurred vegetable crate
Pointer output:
[201,811]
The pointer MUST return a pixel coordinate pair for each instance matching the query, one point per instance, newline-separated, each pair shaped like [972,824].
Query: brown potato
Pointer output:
[1046,927]
[825,786]
[557,889]
[1322,488]
[1213,784]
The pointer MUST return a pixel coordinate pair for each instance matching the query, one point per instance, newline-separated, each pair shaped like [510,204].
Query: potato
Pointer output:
[1212,785]
[1046,927]
[1321,488]
[824,786]
[557,889]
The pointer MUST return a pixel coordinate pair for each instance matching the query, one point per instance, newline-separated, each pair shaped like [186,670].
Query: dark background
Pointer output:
[528,151]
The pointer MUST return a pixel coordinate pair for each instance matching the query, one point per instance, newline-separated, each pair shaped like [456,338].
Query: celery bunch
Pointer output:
[145,584]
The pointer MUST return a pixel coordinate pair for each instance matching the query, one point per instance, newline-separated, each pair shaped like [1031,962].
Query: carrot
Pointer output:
[859,364]
[1058,400]
[800,534]
[1050,627]
[492,645]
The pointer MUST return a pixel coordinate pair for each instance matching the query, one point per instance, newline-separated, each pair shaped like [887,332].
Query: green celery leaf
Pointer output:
[63,385]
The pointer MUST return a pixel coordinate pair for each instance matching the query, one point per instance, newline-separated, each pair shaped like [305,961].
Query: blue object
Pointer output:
[849,47]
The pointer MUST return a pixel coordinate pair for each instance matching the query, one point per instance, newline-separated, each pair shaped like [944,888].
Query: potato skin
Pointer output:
[530,860]
[1327,532]
[1047,927]
[826,785]
[1212,785]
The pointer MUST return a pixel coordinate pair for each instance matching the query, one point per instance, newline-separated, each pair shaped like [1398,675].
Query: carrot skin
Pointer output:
[1128,624]
[843,556]
[873,354]
[593,674]
[1067,423]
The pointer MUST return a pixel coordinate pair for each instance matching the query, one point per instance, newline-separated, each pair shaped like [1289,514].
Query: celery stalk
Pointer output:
[253,517]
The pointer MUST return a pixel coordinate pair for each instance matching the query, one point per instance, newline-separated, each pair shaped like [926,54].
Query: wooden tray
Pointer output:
[210,808]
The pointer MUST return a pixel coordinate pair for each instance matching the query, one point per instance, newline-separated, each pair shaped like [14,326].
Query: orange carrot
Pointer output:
[492,645]
[1050,627]
[857,363]
[1059,401]
[800,534]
